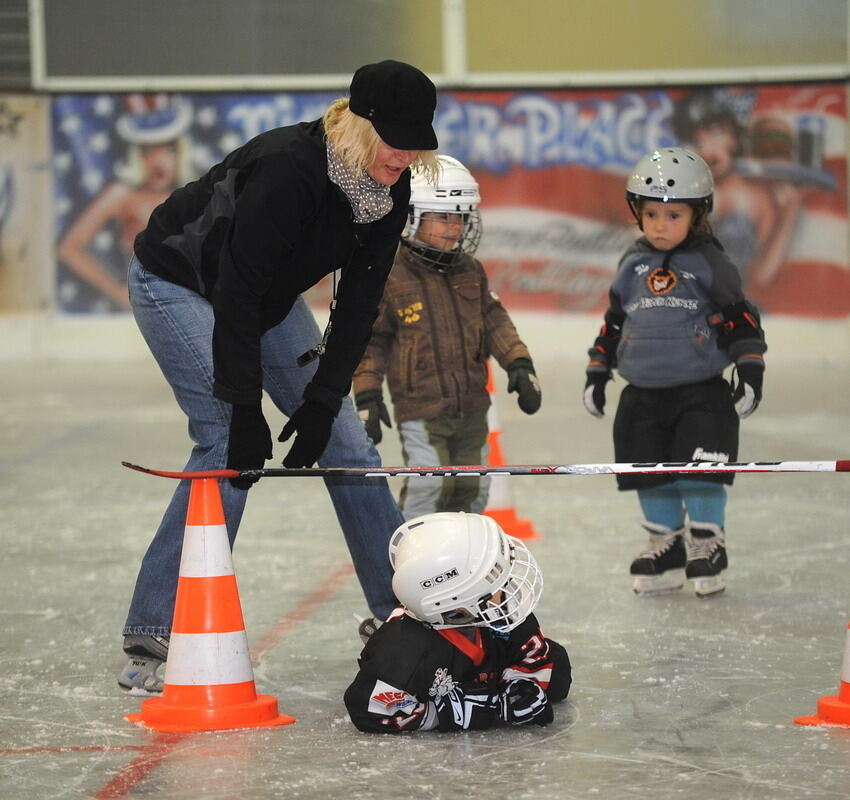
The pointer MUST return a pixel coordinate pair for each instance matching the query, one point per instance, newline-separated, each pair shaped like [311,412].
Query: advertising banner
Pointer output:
[552,167]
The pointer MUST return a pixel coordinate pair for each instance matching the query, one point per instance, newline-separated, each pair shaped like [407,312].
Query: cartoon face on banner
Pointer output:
[551,166]
[116,157]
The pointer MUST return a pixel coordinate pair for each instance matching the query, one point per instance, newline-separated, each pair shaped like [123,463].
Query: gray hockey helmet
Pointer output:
[671,175]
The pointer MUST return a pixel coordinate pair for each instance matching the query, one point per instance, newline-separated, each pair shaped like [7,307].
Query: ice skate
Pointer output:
[660,568]
[146,655]
[707,559]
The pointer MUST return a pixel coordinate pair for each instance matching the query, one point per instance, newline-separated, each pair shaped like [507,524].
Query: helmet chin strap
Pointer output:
[440,260]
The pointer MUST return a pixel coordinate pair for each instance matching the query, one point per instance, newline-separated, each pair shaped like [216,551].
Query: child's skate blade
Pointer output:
[648,585]
[709,586]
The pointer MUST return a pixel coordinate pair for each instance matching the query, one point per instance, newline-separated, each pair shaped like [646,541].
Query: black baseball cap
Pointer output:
[399,100]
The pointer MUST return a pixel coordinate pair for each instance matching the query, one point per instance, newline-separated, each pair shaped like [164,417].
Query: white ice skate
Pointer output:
[706,558]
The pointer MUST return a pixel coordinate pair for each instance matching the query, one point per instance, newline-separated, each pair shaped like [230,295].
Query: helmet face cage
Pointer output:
[456,569]
[518,596]
[671,175]
[455,193]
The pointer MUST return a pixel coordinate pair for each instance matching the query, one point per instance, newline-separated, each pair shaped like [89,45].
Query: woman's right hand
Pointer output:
[249,443]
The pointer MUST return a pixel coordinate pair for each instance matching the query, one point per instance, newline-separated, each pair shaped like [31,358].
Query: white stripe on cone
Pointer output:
[206,552]
[208,659]
[500,496]
[845,665]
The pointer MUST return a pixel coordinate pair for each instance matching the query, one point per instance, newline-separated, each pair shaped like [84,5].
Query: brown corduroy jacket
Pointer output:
[432,338]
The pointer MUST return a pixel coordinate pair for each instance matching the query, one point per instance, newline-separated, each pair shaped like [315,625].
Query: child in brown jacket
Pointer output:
[437,325]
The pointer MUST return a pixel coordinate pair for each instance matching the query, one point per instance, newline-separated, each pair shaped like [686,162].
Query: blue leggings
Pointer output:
[667,505]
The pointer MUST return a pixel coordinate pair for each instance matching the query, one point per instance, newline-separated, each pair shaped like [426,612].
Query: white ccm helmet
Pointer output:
[671,175]
[456,192]
[449,565]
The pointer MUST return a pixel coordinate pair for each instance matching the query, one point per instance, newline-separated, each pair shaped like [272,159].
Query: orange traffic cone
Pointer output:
[500,501]
[209,680]
[834,709]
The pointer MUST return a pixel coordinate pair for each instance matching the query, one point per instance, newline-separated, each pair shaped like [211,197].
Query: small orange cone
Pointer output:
[834,709]
[500,501]
[209,680]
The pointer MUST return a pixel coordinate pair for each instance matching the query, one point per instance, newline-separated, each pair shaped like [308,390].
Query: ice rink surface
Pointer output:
[673,697]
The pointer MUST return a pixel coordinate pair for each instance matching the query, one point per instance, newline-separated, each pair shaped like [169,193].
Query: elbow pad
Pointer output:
[738,321]
[603,354]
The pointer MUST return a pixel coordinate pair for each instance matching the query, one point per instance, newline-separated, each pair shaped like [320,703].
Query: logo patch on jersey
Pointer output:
[387,699]
[661,281]
[438,579]
[443,683]
[411,313]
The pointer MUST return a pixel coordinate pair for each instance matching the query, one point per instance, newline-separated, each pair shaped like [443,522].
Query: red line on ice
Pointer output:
[154,754]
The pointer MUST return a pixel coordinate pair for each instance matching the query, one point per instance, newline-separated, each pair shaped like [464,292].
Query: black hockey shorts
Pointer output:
[695,422]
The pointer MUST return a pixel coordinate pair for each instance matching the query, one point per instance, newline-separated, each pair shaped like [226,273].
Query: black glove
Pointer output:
[468,707]
[372,412]
[594,392]
[249,443]
[523,380]
[746,395]
[523,701]
[312,422]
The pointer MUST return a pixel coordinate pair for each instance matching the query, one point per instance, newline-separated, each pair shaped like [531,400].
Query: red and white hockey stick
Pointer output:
[680,468]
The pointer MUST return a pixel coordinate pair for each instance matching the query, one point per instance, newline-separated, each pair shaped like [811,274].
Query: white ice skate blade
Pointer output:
[650,585]
[709,586]
[138,691]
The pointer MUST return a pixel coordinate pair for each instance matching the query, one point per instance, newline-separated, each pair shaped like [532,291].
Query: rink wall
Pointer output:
[80,174]
[75,178]
[550,337]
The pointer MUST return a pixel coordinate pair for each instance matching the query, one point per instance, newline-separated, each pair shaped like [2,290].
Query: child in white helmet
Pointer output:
[464,650]
[677,318]
[437,325]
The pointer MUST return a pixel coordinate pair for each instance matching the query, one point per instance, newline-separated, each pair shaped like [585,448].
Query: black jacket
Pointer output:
[407,665]
[256,231]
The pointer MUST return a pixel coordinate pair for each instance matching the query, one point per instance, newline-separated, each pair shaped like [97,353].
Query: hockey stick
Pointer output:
[679,468]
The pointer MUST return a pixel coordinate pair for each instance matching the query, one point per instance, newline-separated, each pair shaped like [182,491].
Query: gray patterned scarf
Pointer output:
[369,199]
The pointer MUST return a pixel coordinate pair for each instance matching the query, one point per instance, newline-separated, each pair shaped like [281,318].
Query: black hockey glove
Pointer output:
[746,394]
[372,412]
[467,708]
[523,701]
[312,423]
[249,443]
[523,380]
[594,391]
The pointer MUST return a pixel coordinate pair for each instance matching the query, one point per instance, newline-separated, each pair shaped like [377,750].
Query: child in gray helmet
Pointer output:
[677,318]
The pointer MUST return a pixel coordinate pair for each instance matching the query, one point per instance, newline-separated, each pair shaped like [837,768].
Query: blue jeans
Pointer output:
[177,325]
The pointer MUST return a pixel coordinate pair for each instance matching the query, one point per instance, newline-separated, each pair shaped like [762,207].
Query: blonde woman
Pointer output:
[215,287]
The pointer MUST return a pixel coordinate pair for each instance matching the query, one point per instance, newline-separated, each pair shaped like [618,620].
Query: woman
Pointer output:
[215,287]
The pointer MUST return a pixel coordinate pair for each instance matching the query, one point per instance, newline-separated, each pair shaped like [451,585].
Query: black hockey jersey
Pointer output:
[407,668]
